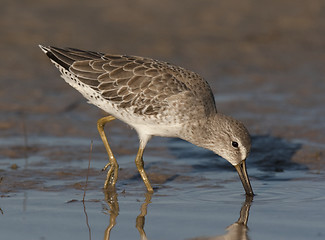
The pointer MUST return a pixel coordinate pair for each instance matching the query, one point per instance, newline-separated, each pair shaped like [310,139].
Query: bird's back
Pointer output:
[137,86]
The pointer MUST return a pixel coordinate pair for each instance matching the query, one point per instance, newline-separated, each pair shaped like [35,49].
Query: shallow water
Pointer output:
[197,196]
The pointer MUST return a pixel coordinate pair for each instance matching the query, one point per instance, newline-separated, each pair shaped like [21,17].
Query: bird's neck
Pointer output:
[201,132]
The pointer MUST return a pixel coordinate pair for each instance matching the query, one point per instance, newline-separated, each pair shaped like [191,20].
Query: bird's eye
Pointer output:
[234,144]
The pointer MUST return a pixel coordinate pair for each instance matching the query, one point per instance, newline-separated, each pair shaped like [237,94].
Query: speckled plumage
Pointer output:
[155,98]
[146,86]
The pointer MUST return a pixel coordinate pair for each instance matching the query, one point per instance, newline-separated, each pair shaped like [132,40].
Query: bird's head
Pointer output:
[231,140]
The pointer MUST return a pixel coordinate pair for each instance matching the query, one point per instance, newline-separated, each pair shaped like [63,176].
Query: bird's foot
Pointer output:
[111,175]
[106,166]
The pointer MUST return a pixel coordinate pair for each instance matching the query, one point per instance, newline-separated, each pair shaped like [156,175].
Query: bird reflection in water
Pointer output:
[236,231]
[112,201]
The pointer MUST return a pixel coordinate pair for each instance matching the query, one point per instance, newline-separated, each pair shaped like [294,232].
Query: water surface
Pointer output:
[197,196]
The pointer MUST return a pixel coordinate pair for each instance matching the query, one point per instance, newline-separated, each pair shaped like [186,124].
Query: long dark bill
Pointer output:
[242,172]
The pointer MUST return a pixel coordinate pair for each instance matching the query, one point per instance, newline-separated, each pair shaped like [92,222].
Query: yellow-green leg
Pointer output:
[113,171]
[139,163]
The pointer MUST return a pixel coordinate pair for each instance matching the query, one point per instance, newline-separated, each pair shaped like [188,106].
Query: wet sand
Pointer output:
[264,61]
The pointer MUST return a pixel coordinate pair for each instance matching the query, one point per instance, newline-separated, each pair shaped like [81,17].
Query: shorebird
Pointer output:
[155,98]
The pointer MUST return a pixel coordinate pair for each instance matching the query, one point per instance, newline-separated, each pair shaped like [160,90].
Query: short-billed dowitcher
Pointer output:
[156,99]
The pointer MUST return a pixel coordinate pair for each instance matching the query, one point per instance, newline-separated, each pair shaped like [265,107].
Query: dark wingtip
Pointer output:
[48,52]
